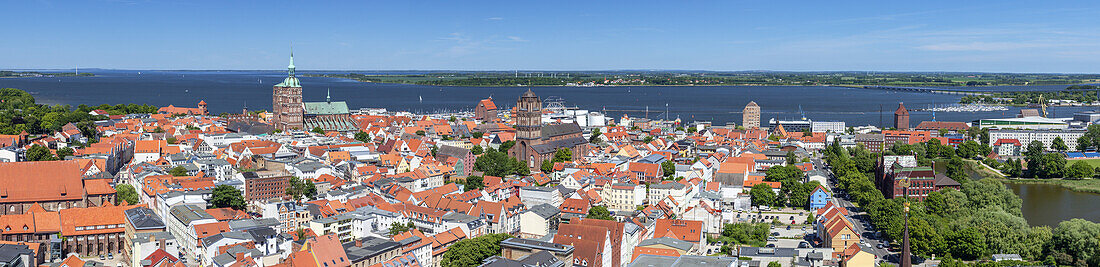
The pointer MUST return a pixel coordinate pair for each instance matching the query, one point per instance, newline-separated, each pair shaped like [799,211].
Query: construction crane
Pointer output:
[1043,105]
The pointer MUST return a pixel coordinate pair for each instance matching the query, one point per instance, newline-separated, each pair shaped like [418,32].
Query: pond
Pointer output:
[1046,204]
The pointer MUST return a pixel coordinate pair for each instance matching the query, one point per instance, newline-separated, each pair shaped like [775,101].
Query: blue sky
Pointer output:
[985,36]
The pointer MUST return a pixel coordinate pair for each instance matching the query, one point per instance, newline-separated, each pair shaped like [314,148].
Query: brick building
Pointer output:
[901,118]
[286,98]
[95,230]
[265,185]
[486,110]
[535,142]
[53,185]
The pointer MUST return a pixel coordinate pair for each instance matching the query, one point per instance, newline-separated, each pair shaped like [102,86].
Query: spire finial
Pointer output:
[328,95]
[290,69]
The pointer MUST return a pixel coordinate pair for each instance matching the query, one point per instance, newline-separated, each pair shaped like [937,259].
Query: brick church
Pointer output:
[289,112]
[536,142]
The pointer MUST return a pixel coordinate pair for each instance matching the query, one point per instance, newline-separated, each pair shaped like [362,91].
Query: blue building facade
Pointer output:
[819,198]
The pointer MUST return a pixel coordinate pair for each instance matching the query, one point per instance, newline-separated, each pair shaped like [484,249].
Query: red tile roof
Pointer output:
[40,181]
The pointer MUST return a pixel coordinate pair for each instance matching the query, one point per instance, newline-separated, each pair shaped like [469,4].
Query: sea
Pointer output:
[232,91]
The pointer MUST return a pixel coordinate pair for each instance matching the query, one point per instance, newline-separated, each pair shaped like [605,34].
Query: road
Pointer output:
[859,218]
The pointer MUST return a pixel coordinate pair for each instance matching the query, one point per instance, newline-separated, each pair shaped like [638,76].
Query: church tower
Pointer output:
[901,118]
[286,98]
[528,119]
[202,108]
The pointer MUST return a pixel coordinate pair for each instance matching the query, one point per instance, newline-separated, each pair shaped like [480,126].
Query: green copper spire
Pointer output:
[290,80]
[290,69]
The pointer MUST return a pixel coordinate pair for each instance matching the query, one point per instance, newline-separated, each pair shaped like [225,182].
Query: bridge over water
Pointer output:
[920,90]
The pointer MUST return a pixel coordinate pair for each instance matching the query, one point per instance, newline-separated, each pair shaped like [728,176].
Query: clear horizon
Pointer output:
[933,36]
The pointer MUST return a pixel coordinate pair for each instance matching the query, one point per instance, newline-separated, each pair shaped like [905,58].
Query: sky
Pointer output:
[969,36]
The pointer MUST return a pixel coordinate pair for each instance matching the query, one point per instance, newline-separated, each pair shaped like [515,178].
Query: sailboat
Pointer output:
[421,99]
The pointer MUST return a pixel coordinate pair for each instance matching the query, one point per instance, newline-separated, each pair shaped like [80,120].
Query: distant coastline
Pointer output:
[601,79]
[33,74]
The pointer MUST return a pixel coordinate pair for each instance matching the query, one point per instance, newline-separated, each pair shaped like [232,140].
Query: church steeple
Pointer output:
[328,95]
[290,80]
[290,68]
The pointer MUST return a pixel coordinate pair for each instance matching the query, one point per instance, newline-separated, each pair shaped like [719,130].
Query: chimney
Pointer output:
[358,242]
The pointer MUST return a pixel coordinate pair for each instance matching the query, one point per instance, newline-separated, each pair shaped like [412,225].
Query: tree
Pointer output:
[299,189]
[398,228]
[668,168]
[420,132]
[178,171]
[970,149]
[125,192]
[39,153]
[504,147]
[783,174]
[798,194]
[1053,165]
[64,152]
[477,134]
[474,182]
[1079,170]
[546,167]
[477,150]
[774,264]
[762,195]
[595,137]
[563,155]
[1059,144]
[1076,241]
[362,137]
[968,244]
[496,163]
[647,139]
[471,252]
[1083,143]
[599,213]
[226,196]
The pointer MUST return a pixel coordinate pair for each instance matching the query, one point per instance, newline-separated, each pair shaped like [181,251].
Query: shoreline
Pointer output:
[854,86]
[1090,186]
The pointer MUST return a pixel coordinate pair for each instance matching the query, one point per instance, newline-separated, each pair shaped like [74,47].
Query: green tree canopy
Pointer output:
[1079,170]
[600,213]
[563,155]
[64,152]
[668,168]
[762,195]
[471,252]
[39,153]
[398,228]
[362,137]
[226,196]
[178,171]
[125,192]
[1059,144]
[496,163]
[318,130]
[477,150]
[300,189]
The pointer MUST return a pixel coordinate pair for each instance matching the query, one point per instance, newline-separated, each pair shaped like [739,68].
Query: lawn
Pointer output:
[1092,162]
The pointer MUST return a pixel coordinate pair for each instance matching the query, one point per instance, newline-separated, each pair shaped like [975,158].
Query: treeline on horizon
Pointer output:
[8,73]
[722,78]
[1079,93]
[20,112]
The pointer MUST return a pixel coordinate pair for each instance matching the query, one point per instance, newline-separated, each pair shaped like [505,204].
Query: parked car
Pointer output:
[803,244]
[772,238]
